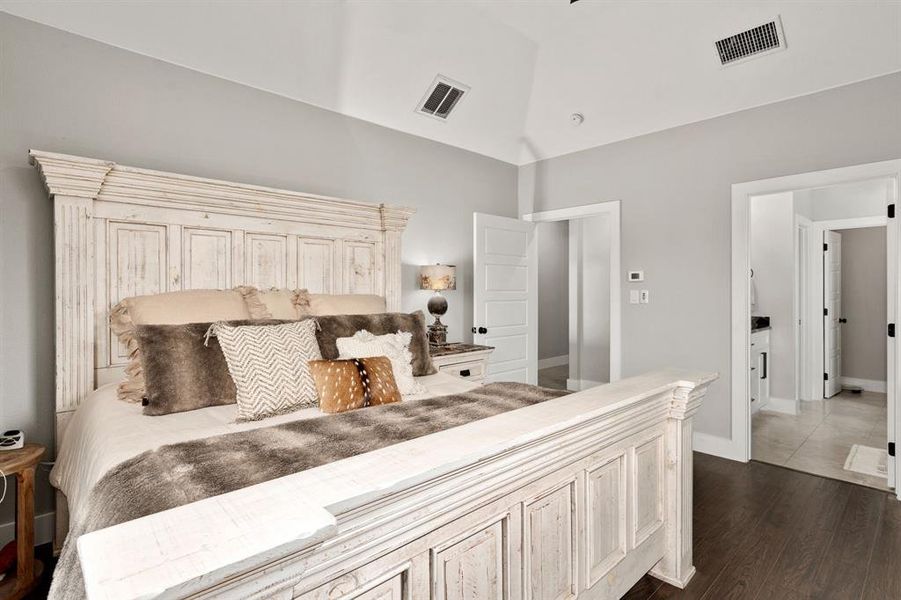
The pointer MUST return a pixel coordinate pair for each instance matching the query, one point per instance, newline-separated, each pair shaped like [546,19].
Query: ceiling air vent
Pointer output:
[441,98]
[763,39]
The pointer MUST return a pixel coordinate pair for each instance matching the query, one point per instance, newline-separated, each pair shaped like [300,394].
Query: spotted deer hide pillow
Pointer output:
[354,383]
[270,366]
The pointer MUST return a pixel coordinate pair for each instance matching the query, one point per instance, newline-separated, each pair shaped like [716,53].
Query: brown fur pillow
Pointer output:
[337,326]
[354,383]
[182,370]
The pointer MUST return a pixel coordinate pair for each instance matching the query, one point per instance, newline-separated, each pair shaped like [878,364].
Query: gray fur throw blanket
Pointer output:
[182,473]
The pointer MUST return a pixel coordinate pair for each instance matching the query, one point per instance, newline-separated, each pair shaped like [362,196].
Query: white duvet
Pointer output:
[106,431]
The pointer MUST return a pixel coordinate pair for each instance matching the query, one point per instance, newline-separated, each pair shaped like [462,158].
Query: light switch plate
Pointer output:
[633,297]
[643,296]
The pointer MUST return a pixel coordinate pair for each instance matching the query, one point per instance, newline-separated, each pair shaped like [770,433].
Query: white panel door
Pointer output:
[505,295]
[832,309]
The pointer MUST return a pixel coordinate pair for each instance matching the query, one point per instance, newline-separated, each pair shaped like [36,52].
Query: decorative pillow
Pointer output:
[276,303]
[337,326]
[183,369]
[355,383]
[394,346]
[169,308]
[345,304]
[269,365]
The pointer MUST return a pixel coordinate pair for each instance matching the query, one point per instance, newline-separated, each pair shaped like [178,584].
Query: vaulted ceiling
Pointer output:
[629,67]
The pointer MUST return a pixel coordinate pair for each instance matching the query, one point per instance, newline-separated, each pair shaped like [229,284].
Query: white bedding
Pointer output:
[106,431]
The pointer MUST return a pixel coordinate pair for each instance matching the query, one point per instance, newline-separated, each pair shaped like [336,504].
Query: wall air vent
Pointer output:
[757,41]
[441,98]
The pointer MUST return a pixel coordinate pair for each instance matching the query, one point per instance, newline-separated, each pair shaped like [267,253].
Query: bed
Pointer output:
[575,496]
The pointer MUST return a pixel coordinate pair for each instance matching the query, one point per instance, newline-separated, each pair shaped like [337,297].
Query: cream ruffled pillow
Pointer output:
[396,346]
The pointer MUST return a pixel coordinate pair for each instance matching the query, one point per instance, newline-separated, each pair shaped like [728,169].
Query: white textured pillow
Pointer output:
[270,366]
[396,346]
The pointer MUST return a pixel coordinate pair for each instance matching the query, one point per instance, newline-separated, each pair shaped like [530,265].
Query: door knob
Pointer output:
[480,330]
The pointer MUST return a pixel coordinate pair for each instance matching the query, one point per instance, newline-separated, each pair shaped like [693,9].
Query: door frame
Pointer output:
[740,441]
[814,359]
[801,315]
[613,210]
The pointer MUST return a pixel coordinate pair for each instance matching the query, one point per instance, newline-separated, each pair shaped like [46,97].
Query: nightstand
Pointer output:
[463,360]
[22,463]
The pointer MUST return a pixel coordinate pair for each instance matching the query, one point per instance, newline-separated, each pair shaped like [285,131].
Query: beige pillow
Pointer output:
[346,304]
[169,308]
[275,303]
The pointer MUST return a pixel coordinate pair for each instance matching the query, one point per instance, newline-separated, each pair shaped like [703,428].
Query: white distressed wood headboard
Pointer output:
[123,231]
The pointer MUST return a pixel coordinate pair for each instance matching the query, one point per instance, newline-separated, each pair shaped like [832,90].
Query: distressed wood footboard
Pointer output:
[574,497]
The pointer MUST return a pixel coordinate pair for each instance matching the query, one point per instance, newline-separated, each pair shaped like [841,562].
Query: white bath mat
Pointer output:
[867,460]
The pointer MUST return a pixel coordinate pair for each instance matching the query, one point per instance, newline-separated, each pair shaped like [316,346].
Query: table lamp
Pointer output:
[437,278]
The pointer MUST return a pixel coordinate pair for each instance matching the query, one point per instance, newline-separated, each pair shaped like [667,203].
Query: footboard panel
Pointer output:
[581,510]
[589,531]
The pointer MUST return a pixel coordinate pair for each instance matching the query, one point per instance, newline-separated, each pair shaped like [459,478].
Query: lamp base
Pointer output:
[437,333]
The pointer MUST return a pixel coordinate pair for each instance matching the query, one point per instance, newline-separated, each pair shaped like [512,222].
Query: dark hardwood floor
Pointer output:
[767,532]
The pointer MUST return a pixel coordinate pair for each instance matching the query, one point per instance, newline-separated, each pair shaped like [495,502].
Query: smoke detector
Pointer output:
[576,119]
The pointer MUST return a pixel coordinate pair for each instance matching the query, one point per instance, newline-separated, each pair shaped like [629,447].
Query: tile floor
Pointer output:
[819,439]
[553,377]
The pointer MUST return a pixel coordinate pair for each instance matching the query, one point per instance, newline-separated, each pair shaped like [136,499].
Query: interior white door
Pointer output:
[505,296]
[832,309]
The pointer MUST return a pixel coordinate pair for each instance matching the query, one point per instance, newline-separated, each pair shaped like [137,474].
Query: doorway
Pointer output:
[811,346]
[578,266]
[505,294]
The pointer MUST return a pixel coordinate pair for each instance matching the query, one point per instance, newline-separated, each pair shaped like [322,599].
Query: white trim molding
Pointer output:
[43,529]
[715,445]
[740,439]
[867,385]
[781,405]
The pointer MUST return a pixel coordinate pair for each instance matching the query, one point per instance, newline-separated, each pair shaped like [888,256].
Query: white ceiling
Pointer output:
[630,67]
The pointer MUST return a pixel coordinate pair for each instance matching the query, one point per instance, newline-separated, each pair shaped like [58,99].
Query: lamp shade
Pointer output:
[438,277]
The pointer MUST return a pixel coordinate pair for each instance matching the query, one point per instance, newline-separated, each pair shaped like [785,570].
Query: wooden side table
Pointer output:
[22,463]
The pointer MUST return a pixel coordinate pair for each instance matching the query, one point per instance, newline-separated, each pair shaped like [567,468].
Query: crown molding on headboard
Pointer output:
[67,175]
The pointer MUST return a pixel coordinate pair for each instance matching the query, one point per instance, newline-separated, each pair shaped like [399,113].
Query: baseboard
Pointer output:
[43,530]
[716,446]
[553,361]
[781,405]
[868,385]
[576,385]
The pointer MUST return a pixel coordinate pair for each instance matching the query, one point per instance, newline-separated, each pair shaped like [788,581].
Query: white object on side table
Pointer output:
[469,361]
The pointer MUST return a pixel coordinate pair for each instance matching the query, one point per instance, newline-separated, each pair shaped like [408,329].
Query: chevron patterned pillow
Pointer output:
[270,366]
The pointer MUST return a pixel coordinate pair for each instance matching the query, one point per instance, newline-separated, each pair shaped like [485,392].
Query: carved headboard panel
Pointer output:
[122,231]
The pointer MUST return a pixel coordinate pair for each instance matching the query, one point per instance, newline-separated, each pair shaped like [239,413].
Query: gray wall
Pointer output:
[863,303]
[553,289]
[63,93]
[675,188]
[773,262]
